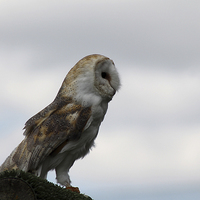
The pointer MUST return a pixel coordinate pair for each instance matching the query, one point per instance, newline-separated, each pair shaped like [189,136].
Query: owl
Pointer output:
[65,130]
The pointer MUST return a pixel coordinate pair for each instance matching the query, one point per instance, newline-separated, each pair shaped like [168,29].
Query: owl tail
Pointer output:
[18,159]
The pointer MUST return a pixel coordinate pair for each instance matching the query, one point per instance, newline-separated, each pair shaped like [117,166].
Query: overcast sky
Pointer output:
[148,147]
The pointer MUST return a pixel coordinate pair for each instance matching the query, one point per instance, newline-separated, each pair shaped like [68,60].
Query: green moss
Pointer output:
[40,189]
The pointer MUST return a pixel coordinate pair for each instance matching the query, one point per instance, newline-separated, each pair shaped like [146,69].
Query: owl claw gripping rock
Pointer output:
[65,130]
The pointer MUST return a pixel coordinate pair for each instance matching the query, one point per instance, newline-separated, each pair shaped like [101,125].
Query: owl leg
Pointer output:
[62,175]
[62,170]
[43,169]
[42,172]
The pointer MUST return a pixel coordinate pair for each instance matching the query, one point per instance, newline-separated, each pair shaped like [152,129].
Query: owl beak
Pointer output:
[111,95]
[114,91]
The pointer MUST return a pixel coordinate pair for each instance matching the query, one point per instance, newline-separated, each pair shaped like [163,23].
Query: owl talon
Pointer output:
[73,189]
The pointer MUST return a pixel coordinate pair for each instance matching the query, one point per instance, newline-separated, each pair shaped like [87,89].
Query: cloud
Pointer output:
[150,135]
[159,33]
[170,98]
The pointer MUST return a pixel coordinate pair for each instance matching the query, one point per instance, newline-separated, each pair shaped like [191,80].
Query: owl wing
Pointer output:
[48,131]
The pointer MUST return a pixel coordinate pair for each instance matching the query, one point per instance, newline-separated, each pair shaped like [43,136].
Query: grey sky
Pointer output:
[144,32]
[150,139]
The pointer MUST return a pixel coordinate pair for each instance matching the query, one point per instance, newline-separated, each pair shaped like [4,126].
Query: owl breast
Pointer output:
[82,146]
[76,149]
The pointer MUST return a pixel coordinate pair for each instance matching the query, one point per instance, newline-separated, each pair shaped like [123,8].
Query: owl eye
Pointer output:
[104,75]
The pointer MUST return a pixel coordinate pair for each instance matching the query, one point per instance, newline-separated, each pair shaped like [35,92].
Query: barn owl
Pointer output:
[65,130]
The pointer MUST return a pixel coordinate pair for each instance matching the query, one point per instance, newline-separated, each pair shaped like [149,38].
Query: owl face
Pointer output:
[106,78]
[93,78]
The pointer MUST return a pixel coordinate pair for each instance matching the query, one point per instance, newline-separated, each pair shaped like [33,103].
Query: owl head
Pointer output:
[93,78]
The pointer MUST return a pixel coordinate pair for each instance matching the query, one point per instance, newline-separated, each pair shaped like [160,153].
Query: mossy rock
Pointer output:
[18,185]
